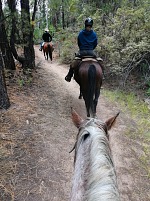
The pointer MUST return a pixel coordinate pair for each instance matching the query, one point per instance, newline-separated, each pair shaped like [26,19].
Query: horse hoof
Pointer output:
[80,96]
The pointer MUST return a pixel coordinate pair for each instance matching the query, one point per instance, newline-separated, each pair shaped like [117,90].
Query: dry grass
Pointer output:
[12,132]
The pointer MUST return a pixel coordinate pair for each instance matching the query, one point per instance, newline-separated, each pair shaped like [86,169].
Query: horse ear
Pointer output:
[77,120]
[110,122]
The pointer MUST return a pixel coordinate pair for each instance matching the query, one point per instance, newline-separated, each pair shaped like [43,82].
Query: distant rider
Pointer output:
[46,38]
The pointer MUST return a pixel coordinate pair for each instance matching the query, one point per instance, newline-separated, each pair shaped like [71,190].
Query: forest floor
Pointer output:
[37,133]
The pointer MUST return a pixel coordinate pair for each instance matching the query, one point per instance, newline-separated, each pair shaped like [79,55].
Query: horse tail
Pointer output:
[91,86]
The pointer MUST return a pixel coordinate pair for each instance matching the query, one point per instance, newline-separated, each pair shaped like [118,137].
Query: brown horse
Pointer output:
[94,172]
[48,49]
[89,77]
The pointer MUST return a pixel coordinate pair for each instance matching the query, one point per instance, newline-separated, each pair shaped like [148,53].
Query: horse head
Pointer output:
[94,172]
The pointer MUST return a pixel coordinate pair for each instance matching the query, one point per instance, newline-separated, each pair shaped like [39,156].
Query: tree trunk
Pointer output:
[4,100]
[27,31]
[4,45]
[63,15]
[14,30]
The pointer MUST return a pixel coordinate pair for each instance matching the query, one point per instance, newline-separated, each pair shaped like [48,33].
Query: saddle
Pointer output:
[50,43]
[89,58]
[78,60]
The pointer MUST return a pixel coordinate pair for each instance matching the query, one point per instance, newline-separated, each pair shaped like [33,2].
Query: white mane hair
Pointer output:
[94,175]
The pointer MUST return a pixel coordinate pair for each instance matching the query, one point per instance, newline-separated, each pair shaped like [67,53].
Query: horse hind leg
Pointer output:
[50,55]
[87,111]
[87,106]
[49,52]
[46,55]
[97,94]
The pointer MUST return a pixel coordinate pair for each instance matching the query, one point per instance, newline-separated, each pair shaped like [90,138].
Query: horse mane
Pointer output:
[99,181]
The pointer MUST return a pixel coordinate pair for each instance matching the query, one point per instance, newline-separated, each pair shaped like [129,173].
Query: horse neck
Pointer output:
[80,170]
[94,177]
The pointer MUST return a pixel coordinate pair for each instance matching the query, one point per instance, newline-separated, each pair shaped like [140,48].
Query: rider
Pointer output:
[87,42]
[46,38]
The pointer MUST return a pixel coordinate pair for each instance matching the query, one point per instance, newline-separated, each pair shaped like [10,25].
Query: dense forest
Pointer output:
[122,27]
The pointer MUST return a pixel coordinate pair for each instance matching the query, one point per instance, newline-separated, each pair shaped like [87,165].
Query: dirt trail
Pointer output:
[44,134]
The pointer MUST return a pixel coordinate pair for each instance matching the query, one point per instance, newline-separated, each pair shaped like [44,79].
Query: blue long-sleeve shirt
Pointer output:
[87,40]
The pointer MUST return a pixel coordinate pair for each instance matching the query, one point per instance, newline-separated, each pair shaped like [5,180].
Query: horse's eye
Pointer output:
[86,136]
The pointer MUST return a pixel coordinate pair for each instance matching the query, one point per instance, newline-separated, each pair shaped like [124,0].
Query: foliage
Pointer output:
[67,44]
[126,43]
[123,34]
[148,91]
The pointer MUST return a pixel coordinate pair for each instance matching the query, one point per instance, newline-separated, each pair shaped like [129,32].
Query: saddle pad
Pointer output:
[89,59]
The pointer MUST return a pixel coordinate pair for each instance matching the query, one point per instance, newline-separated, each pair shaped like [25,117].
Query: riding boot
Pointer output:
[41,48]
[69,75]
